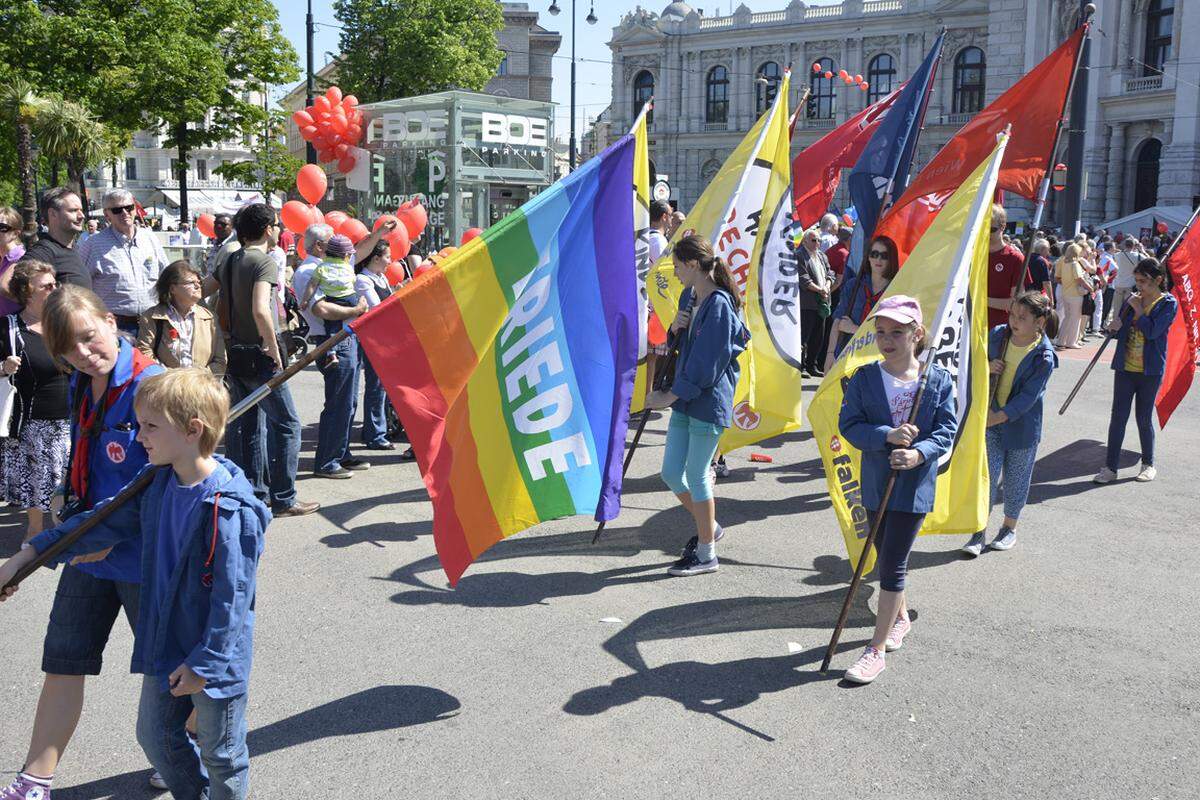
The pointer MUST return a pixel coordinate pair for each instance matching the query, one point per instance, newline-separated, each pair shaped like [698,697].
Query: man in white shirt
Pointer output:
[1126,259]
[828,235]
[660,223]
[124,261]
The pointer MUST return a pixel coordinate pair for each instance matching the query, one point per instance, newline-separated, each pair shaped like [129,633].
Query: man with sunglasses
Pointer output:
[1006,270]
[63,214]
[124,261]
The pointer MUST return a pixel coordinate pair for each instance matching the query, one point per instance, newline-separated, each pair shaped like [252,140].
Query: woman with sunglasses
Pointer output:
[33,461]
[11,251]
[861,291]
[179,331]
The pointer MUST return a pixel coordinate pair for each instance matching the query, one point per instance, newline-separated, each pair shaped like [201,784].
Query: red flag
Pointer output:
[1183,339]
[1032,105]
[817,170]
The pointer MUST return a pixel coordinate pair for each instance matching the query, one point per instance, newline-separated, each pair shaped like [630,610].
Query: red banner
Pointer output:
[1183,339]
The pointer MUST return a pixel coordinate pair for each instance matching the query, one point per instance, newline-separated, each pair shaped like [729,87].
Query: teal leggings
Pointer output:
[691,444]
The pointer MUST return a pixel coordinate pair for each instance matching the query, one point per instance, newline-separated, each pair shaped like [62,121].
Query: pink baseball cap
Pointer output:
[900,307]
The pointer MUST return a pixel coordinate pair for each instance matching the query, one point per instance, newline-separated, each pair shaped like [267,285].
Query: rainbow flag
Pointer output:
[512,363]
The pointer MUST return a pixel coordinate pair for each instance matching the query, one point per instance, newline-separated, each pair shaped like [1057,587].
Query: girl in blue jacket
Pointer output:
[711,337]
[878,418]
[1138,364]
[1015,420]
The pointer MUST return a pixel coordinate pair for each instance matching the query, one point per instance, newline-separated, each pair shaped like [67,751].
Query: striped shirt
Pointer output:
[124,269]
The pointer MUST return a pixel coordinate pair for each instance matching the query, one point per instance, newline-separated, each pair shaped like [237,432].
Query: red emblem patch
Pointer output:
[116,453]
[835,444]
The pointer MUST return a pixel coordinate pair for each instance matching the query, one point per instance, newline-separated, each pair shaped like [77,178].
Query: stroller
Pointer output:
[295,333]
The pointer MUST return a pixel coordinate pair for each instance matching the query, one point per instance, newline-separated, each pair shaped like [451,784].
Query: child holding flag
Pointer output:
[712,336]
[1139,364]
[878,418]
[1015,422]
[203,536]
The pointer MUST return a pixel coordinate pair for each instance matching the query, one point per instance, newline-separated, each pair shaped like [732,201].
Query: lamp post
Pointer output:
[310,150]
[591,20]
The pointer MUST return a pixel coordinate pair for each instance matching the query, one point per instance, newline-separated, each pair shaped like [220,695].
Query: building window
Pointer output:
[131,169]
[503,68]
[201,169]
[1160,18]
[643,90]
[881,74]
[822,102]
[1145,186]
[969,67]
[766,86]
[175,169]
[716,107]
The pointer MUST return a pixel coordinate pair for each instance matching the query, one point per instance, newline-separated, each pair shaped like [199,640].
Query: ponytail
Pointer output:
[722,276]
[1038,305]
[696,248]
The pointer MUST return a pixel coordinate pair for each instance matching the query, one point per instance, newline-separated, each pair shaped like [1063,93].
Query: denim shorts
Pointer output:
[84,610]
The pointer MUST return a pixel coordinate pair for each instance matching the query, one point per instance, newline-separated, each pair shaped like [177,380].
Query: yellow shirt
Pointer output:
[1136,345]
[1068,273]
[1012,359]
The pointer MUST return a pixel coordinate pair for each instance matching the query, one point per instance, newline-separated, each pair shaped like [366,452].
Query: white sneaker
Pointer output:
[1105,475]
[975,546]
[156,780]
[1147,474]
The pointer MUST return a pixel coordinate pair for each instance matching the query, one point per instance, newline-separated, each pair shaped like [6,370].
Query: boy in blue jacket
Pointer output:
[202,535]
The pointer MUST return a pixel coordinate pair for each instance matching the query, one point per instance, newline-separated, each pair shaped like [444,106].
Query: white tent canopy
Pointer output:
[217,201]
[1175,217]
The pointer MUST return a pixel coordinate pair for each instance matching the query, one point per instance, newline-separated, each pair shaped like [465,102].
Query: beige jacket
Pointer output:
[208,347]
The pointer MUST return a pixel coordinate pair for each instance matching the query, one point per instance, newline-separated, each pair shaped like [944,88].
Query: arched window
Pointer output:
[969,66]
[503,68]
[1160,17]
[766,86]
[1145,186]
[716,106]
[823,101]
[881,74]
[643,90]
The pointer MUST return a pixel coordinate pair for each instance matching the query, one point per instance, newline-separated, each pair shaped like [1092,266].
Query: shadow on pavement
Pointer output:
[1080,459]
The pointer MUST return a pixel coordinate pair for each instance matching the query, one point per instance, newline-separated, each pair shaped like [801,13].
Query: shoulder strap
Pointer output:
[158,334]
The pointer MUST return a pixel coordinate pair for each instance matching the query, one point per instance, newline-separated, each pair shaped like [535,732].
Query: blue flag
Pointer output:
[887,157]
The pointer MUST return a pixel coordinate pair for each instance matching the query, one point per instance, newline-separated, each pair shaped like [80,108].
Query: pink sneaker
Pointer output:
[24,787]
[867,668]
[895,639]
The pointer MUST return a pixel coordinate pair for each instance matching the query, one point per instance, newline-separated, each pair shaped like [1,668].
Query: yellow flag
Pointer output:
[947,274]
[641,231]
[745,207]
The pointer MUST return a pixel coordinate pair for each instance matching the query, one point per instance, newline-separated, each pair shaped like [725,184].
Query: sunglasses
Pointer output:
[115,210]
[5,228]
[877,254]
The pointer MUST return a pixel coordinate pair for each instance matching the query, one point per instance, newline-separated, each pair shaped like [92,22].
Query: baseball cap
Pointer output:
[899,307]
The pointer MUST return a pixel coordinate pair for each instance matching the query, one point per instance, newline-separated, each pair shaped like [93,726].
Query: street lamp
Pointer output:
[590,20]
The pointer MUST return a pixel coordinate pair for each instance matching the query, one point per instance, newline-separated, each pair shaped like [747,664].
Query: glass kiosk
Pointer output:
[470,158]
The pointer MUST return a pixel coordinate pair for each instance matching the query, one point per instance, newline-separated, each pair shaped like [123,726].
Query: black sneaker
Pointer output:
[338,473]
[816,372]
[690,547]
[691,565]
[384,445]
[408,455]
[356,464]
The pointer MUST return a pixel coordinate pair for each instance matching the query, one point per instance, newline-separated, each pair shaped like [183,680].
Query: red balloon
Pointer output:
[394,273]
[398,242]
[318,216]
[864,86]
[353,230]
[842,74]
[204,224]
[346,164]
[469,234]
[828,74]
[334,95]
[312,183]
[308,133]
[300,248]
[381,221]
[816,67]
[412,215]
[424,267]
[302,119]
[334,219]
[321,104]
[354,134]
[858,79]
[340,149]
[349,101]
[296,216]
[324,154]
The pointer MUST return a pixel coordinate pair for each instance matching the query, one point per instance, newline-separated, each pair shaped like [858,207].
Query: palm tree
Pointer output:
[22,105]
[69,132]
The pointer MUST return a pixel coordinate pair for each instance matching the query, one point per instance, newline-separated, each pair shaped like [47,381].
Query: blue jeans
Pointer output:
[893,543]
[221,768]
[1138,390]
[265,442]
[341,401]
[1011,472]
[374,426]
[691,444]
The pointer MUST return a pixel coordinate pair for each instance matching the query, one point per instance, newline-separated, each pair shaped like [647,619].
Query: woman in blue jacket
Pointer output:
[1138,365]
[1015,421]
[878,418]
[711,336]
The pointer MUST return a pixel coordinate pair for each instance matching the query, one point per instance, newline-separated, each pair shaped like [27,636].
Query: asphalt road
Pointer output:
[566,670]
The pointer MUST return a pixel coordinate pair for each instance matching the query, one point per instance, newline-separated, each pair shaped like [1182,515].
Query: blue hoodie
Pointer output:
[1024,406]
[706,372]
[207,617]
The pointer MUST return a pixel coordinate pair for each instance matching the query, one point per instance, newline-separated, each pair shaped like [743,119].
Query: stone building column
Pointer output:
[1114,190]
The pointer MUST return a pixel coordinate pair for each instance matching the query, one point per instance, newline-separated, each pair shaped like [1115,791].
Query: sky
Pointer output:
[594,60]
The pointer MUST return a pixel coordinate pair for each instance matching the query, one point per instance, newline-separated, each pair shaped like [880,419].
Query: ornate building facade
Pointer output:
[711,76]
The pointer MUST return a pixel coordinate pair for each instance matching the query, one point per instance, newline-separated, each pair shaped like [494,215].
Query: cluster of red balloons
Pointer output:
[847,78]
[333,124]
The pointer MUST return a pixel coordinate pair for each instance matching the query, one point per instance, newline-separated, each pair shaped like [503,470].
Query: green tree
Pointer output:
[400,48]
[69,132]
[273,166]
[21,105]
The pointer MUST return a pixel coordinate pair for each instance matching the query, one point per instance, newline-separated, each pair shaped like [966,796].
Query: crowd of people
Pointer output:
[119,359]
